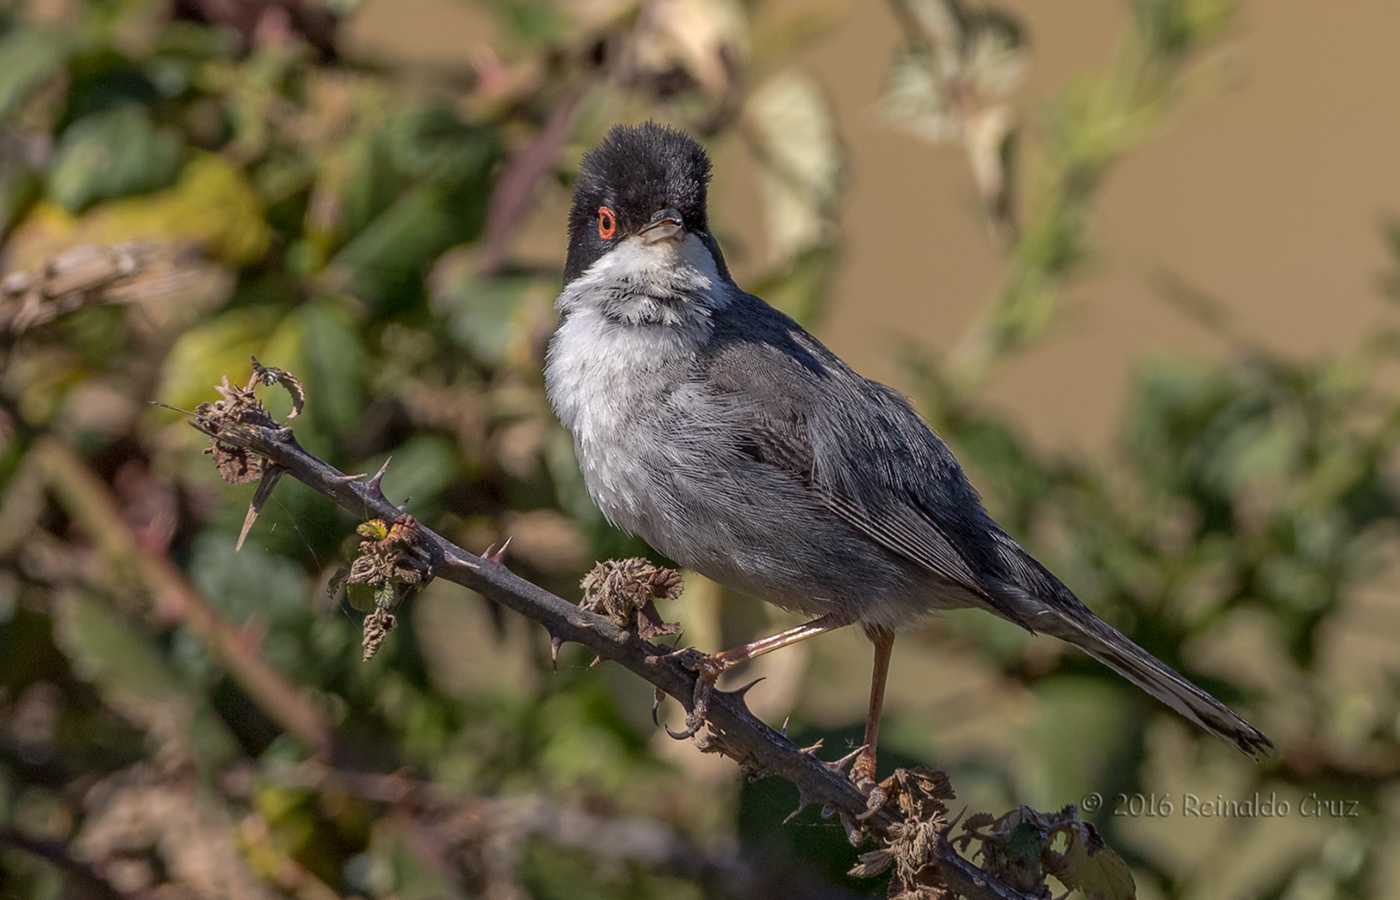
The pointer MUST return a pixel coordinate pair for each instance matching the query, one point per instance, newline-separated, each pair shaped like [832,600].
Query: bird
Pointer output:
[731,440]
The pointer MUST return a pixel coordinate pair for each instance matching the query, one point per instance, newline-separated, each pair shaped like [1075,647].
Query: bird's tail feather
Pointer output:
[1110,647]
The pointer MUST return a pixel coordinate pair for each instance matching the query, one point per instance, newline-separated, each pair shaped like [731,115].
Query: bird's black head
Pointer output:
[647,181]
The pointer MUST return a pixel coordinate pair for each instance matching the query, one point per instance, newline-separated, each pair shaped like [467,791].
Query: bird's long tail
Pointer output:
[1110,647]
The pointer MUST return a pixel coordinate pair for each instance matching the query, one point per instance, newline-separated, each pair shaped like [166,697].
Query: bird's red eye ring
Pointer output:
[607,223]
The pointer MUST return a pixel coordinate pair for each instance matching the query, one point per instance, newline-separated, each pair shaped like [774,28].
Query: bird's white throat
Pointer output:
[635,313]
[669,282]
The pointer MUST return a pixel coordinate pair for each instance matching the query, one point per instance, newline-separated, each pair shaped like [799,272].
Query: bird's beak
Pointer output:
[664,226]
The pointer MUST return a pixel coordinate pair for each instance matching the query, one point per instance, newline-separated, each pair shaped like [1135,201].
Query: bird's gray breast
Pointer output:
[660,457]
[613,385]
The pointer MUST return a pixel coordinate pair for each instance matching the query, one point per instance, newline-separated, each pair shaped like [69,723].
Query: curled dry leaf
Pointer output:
[240,406]
[236,465]
[378,624]
[949,83]
[393,562]
[270,375]
[911,845]
[694,38]
[625,590]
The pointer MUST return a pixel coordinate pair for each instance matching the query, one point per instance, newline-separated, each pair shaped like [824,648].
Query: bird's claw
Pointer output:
[863,777]
[875,798]
[707,669]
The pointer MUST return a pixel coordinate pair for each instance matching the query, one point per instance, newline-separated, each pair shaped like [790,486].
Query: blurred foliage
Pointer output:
[180,721]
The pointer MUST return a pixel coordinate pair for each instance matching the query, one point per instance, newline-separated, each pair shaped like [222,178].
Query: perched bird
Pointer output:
[734,442]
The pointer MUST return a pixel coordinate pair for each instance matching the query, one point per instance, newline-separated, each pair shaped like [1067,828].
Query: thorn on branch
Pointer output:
[839,765]
[739,692]
[271,475]
[494,556]
[803,801]
[555,642]
[376,483]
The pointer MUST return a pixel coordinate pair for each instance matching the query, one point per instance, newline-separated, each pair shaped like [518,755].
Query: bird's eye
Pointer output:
[607,223]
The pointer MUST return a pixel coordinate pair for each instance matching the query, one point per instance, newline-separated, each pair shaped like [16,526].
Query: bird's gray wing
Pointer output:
[860,449]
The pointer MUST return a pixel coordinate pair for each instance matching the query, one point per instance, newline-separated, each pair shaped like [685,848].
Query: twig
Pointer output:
[733,730]
[94,275]
[516,188]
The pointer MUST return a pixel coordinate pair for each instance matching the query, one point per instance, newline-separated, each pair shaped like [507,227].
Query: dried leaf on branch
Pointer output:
[626,591]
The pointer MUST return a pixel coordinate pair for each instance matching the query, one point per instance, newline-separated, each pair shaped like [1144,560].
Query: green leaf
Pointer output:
[1097,871]
[1176,27]
[215,348]
[335,365]
[113,154]
[20,185]
[27,57]
[370,183]
[483,314]
[434,143]
[249,583]
[385,263]
[1023,845]
[361,596]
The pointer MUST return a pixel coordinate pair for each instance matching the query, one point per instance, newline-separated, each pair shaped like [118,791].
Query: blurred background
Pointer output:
[1136,261]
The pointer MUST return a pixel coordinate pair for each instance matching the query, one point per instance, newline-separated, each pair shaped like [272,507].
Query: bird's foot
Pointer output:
[707,669]
[863,777]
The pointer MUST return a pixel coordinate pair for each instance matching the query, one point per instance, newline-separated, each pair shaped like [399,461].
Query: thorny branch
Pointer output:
[910,830]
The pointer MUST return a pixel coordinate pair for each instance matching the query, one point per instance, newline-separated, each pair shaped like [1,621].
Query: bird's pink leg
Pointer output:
[708,668]
[828,622]
[863,772]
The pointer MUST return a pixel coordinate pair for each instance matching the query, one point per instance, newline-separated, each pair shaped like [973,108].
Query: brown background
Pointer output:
[1267,192]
